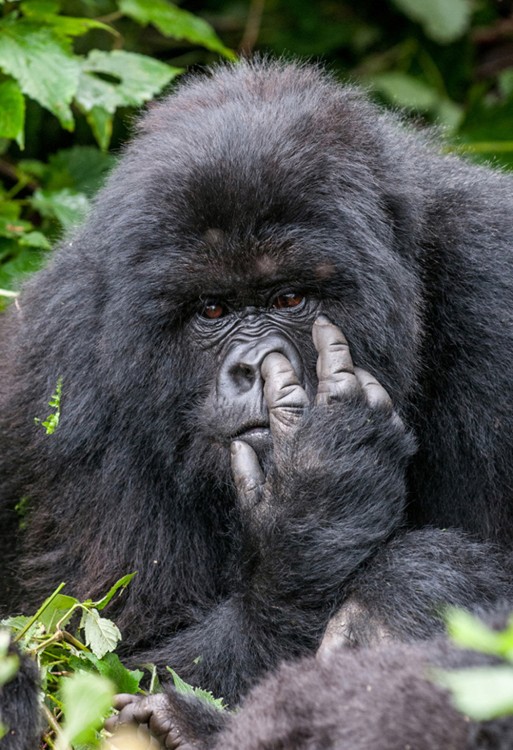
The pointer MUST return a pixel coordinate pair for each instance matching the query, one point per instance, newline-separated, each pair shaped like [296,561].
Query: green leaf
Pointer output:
[110,666]
[16,623]
[100,122]
[101,634]
[9,209]
[12,112]
[174,22]
[118,79]
[13,228]
[42,63]
[25,261]
[45,12]
[87,699]
[35,619]
[125,680]
[482,693]
[82,169]
[60,605]
[405,90]
[134,79]
[204,695]
[470,632]
[9,666]
[442,20]
[67,207]
[35,239]
[122,583]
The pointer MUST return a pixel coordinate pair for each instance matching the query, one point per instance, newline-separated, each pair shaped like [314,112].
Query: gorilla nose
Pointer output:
[240,371]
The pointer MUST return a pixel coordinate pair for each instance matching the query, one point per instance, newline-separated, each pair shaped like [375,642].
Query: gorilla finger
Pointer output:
[150,707]
[284,395]
[125,716]
[376,395]
[165,731]
[335,371]
[247,473]
[123,699]
[282,388]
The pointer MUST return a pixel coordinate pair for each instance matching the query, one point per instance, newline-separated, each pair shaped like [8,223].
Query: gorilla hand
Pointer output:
[176,721]
[336,487]
[151,715]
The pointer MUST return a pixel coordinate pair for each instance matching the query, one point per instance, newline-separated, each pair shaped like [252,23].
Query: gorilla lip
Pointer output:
[251,429]
[257,436]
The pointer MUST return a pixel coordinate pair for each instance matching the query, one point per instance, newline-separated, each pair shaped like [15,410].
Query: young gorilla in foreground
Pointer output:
[255,206]
[382,698]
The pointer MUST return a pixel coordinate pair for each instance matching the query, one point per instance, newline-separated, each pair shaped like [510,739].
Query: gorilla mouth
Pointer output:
[249,429]
[258,436]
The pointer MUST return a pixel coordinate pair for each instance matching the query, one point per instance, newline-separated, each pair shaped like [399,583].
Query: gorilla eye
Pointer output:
[213,310]
[292,299]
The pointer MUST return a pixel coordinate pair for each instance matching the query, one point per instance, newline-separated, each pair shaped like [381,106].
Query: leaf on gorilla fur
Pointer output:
[482,693]
[86,699]
[101,635]
[120,584]
[205,695]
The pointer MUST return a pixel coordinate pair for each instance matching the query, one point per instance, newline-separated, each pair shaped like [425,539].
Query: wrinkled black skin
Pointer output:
[254,181]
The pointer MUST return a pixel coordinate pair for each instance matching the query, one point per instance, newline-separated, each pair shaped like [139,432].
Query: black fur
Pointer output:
[254,177]
[19,707]
[383,698]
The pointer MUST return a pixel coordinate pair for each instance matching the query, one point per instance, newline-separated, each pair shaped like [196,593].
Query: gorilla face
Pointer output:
[240,339]
[233,235]
[233,245]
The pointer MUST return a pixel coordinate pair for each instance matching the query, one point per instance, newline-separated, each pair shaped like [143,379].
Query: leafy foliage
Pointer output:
[204,695]
[80,672]
[52,421]
[73,646]
[58,61]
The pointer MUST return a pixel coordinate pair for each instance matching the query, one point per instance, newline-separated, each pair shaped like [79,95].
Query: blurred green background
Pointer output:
[72,75]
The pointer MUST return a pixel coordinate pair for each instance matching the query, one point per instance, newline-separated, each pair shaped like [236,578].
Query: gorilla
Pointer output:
[286,348]
[385,697]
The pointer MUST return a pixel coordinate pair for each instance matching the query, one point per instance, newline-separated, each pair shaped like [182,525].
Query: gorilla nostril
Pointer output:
[243,375]
[247,371]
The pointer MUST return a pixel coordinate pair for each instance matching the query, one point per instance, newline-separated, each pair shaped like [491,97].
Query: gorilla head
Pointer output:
[250,202]
[215,434]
